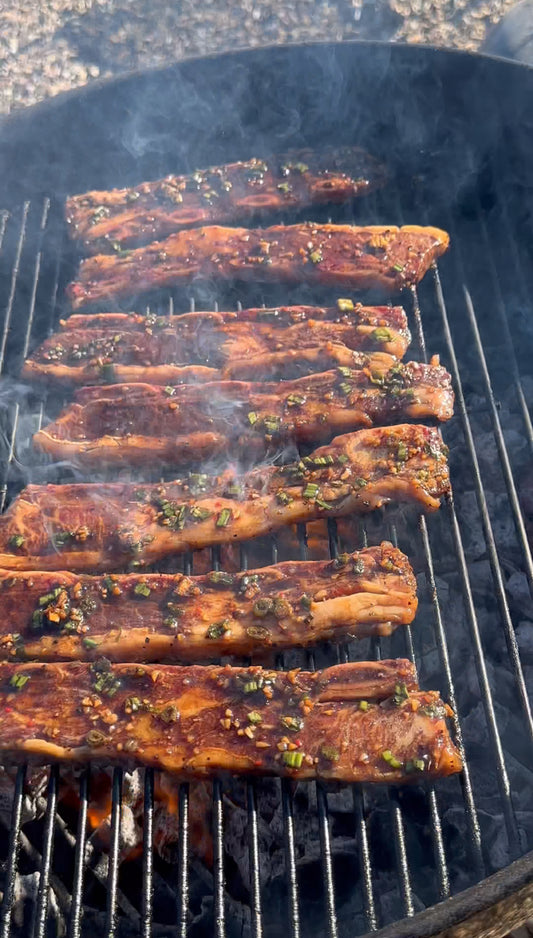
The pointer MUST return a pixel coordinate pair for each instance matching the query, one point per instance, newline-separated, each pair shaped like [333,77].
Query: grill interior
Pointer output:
[310,858]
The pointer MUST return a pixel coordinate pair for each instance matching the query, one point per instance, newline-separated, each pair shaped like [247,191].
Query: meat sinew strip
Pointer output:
[269,343]
[101,527]
[383,257]
[151,617]
[111,220]
[364,722]
[133,425]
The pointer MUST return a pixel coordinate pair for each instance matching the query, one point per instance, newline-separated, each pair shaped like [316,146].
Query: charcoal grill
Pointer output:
[455,131]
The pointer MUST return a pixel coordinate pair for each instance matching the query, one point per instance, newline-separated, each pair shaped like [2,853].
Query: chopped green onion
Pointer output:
[311,490]
[345,371]
[49,597]
[252,418]
[16,540]
[294,400]
[402,453]
[169,390]
[414,765]
[390,759]
[19,680]
[224,518]
[282,608]
[262,607]
[331,753]
[95,738]
[234,490]
[133,704]
[284,187]
[199,514]
[292,723]
[255,717]
[322,504]
[400,694]
[283,497]
[218,629]
[198,481]
[345,388]
[171,623]
[60,539]
[250,687]
[340,561]
[142,589]
[169,714]
[221,578]
[358,566]
[316,256]
[343,458]
[345,306]
[89,643]
[360,482]
[306,601]
[293,759]
[257,632]
[382,335]
[272,423]
[398,267]
[364,705]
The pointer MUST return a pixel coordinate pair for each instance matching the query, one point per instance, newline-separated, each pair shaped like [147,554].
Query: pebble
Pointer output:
[54,45]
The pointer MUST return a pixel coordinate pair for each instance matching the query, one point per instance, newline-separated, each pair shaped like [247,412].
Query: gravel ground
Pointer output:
[49,46]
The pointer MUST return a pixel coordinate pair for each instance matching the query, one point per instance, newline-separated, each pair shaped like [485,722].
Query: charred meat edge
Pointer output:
[109,221]
[156,616]
[386,258]
[133,425]
[100,527]
[363,722]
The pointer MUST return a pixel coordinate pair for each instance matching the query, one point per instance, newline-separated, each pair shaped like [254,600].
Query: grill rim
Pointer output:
[466,904]
[503,884]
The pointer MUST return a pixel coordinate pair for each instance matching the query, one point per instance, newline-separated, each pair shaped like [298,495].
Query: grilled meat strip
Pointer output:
[383,257]
[135,425]
[360,722]
[106,221]
[102,527]
[152,617]
[257,343]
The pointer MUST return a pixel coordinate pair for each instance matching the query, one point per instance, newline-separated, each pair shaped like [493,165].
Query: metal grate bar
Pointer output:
[436,825]
[438,846]
[497,574]
[253,851]
[488,703]
[500,443]
[8,310]
[148,855]
[468,796]
[183,858]
[218,861]
[74,925]
[507,337]
[43,892]
[12,854]
[327,863]
[114,854]
[365,863]
[290,857]
[401,855]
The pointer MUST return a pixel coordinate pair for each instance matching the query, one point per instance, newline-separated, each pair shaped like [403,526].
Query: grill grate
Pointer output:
[402,844]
